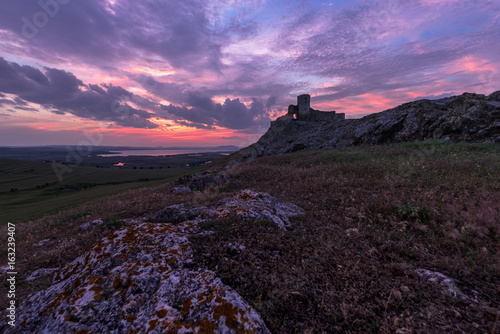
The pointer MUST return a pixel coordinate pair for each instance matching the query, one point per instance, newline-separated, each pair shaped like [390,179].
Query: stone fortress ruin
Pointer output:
[303,111]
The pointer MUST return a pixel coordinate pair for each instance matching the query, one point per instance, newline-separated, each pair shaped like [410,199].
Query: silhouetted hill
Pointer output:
[468,117]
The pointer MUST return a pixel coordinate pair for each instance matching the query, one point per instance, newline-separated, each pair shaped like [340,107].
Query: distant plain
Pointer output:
[31,188]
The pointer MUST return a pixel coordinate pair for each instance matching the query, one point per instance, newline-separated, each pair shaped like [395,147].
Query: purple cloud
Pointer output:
[63,92]
[259,54]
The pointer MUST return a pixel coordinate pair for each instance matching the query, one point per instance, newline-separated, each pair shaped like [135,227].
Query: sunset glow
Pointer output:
[208,73]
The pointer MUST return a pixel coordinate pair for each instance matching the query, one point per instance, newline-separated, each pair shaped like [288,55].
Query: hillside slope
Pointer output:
[393,238]
[468,117]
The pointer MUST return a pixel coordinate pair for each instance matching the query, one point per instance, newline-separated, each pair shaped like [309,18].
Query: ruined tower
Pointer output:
[303,111]
[304,106]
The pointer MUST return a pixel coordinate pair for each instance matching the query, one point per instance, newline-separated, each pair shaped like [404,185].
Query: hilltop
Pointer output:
[392,238]
[468,117]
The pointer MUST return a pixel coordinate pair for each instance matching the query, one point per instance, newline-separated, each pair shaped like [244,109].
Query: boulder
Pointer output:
[201,181]
[143,279]
[251,204]
[135,280]
[177,213]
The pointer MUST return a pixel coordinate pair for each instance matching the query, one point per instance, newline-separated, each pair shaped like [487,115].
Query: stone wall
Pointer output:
[316,115]
[303,111]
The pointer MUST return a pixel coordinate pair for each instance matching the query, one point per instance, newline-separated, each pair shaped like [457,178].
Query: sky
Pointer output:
[216,72]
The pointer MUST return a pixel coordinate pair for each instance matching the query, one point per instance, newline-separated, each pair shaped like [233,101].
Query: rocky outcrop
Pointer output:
[468,117]
[199,181]
[177,213]
[447,284]
[142,279]
[249,204]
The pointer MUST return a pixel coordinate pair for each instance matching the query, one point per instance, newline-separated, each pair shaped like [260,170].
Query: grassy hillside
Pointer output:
[374,214]
[30,189]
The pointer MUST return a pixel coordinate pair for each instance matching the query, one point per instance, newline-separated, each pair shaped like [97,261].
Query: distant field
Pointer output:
[30,189]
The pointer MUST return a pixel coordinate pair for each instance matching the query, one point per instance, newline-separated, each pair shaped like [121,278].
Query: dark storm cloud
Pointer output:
[193,115]
[177,31]
[232,114]
[63,92]
[97,32]
[196,125]
[78,30]
[271,101]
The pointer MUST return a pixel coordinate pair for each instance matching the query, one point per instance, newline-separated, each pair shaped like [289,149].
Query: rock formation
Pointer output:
[142,278]
[468,117]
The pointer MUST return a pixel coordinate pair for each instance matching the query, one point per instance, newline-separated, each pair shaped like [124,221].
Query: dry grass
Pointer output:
[373,215]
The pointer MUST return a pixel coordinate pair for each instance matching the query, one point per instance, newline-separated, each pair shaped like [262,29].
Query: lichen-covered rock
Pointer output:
[468,117]
[256,205]
[202,180]
[142,278]
[177,213]
[136,280]
[447,284]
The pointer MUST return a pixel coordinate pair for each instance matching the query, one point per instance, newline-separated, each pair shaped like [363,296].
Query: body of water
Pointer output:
[154,153]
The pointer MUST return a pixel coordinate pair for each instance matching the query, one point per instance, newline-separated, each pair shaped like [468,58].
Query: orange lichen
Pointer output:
[122,256]
[117,282]
[206,326]
[98,292]
[186,305]
[229,311]
[162,313]
[94,279]
[152,325]
[82,331]
[63,296]
[79,293]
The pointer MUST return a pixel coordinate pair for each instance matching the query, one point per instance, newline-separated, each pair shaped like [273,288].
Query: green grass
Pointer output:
[30,189]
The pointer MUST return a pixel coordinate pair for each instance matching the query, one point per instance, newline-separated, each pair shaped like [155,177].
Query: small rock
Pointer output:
[352,232]
[88,225]
[41,242]
[235,248]
[182,190]
[448,285]
[42,272]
